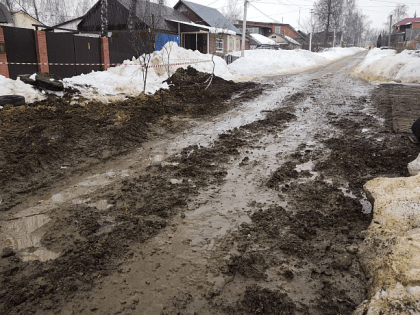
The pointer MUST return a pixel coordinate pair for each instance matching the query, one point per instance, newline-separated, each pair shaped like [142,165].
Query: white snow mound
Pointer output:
[272,62]
[10,87]
[387,65]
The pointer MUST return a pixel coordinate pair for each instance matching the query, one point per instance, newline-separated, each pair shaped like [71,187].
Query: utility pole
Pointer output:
[310,36]
[334,39]
[389,37]
[244,29]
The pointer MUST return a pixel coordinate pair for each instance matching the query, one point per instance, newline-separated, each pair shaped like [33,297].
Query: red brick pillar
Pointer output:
[4,68]
[105,53]
[41,51]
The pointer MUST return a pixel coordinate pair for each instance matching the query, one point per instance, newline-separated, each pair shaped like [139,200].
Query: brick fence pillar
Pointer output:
[105,53]
[41,51]
[4,68]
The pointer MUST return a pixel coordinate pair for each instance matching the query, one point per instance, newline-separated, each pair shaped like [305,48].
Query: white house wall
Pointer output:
[24,21]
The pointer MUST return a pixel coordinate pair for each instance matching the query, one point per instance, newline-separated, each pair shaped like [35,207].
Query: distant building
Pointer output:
[285,42]
[333,40]
[268,28]
[405,30]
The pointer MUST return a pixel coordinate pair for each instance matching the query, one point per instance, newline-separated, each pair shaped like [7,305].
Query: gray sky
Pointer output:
[287,11]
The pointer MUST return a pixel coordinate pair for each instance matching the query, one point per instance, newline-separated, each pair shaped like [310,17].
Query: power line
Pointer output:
[263,13]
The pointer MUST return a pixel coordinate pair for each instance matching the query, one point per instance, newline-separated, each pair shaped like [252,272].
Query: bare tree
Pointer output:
[142,26]
[232,11]
[398,14]
[328,14]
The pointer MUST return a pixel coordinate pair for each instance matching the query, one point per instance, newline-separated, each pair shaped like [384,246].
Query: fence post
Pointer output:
[41,51]
[105,53]
[4,68]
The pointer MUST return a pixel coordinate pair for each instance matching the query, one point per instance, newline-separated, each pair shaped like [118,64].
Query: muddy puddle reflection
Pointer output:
[24,236]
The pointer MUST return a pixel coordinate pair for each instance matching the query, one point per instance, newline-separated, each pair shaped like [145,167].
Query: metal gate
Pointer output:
[88,50]
[73,50]
[20,48]
[120,47]
[61,50]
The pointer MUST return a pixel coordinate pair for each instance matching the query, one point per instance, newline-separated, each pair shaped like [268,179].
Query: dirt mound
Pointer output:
[190,76]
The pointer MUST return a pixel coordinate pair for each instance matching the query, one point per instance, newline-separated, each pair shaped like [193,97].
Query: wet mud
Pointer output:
[265,218]
[53,139]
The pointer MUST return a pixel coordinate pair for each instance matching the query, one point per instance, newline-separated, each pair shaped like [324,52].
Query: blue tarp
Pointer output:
[162,39]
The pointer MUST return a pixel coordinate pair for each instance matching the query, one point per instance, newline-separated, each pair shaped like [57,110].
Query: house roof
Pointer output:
[289,39]
[407,21]
[210,16]
[262,39]
[5,16]
[145,12]
[70,21]
[157,10]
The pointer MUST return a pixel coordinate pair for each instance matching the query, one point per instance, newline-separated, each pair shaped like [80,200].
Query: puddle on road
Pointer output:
[23,232]
[23,236]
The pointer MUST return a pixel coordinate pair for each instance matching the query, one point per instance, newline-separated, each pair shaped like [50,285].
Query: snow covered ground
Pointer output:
[127,80]
[387,65]
[273,62]
[12,87]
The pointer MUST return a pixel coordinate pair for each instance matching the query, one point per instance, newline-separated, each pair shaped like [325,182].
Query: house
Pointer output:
[405,30]
[192,25]
[225,37]
[268,28]
[284,41]
[6,18]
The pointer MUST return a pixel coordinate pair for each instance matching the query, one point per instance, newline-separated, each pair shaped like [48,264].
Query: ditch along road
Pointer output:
[259,210]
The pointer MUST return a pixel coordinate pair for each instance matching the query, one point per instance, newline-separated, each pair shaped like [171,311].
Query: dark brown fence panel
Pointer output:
[61,50]
[120,48]
[88,50]
[21,48]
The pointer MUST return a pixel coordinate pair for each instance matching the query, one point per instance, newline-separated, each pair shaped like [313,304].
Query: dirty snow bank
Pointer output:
[390,253]
[271,62]
[127,79]
[380,65]
[10,87]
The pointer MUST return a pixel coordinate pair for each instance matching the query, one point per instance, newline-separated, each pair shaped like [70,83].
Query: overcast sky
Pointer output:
[287,11]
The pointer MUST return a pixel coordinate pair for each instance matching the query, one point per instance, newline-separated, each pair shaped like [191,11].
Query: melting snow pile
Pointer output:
[127,79]
[10,87]
[380,65]
[390,253]
[271,62]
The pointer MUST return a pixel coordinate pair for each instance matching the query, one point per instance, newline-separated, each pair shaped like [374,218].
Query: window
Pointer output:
[278,29]
[219,45]
[252,30]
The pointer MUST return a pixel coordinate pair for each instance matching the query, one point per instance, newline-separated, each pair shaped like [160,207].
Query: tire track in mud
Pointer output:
[299,255]
[94,233]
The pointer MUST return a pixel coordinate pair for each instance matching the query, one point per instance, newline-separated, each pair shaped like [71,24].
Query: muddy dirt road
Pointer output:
[256,210]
